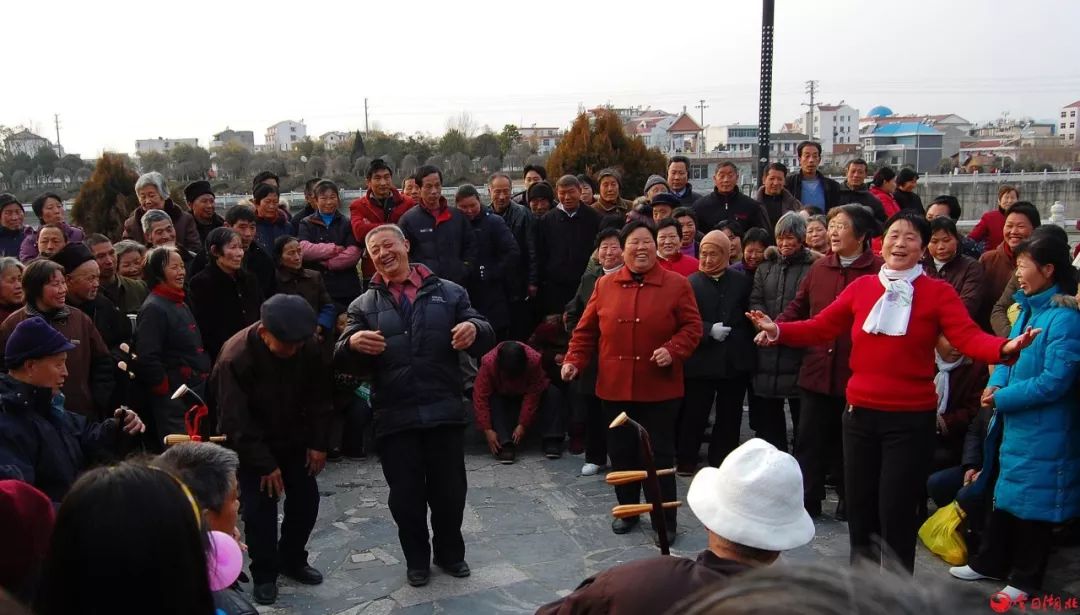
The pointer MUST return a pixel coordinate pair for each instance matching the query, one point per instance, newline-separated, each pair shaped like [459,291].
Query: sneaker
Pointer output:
[590,469]
[1015,594]
[506,454]
[553,450]
[967,573]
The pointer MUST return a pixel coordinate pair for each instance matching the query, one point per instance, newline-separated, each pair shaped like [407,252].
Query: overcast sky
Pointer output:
[120,71]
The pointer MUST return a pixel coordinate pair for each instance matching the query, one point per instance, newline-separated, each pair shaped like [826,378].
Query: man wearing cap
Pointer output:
[272,393]
[127,294]
[408,330]
[609,204]
[83,278]
[200,199]
[656,185]
[663,206]
[751,507]
[540,197]
[40,442]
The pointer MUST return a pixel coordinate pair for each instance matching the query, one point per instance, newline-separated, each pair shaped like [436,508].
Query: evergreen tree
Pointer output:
[591,146]
[107,198]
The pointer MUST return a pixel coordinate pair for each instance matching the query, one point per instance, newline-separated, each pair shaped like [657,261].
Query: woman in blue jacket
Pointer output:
[1038,483]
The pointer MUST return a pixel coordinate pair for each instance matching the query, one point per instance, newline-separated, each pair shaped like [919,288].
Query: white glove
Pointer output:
[719,332]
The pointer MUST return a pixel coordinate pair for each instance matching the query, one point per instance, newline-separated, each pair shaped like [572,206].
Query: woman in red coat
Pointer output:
[646,323]
[895,320]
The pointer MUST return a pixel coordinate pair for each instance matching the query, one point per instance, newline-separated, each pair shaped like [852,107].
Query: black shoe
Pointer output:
[506,454]
[553,449]
[265,593]
[841,510]
[334,454]
[303,574]
[671,536]
[418,577]
[459,570]
[624,526]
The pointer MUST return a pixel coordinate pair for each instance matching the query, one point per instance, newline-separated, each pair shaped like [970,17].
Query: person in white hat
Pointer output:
[752,509]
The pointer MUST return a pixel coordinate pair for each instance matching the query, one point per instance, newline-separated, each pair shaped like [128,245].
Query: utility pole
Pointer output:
[811,89]
[702,106]
[365,116]
[765,94]
[56,119]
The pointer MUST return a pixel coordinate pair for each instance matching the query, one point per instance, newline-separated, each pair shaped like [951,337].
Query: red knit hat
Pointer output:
[26,524]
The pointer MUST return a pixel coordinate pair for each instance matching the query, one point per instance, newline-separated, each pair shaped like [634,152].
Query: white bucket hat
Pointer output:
[755,498]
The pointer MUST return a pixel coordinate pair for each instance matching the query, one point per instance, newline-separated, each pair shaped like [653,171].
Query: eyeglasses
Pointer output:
[839,226]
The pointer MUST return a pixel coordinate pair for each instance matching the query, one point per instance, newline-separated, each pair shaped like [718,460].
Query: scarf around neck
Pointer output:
[941,380]
[891,313]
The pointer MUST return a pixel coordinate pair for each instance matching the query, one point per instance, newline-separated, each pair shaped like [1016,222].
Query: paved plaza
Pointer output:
[533,531]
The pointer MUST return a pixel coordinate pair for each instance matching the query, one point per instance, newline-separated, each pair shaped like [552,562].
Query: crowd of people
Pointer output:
[340,331]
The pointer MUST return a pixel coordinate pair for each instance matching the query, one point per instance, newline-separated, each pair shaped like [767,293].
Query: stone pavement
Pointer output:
[533,531]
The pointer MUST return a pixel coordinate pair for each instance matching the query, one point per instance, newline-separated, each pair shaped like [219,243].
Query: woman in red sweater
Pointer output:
[895,320]
[989,228]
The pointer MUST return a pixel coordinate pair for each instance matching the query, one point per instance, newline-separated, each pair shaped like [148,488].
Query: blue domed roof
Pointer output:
[880,111]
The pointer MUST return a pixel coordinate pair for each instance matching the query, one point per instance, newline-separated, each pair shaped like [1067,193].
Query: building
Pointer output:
[162,145]
[903,144]
[26,142]
[952,127]
[784,147]
[334,138]
[243,138]
[832,125]
[669,132]
[543,138]
[734,140]
[284,135]
[1067,124]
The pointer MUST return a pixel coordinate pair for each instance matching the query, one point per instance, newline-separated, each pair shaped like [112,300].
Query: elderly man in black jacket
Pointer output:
[564,244]
[272,391]
[497,257]
[407,330]
[855,191]
[439,235]
[725,202]
[523,282]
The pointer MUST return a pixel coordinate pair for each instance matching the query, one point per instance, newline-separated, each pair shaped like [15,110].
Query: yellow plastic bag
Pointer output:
[941,534]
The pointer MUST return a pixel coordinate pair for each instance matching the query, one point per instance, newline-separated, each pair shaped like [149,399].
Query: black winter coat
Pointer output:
[793,183]
[722,300]
[447,248]
[861,196]
[521,223]
[169,345]
[268,405]
[715,208]
[343,285]
[417,379]
[113,326]
[309,285]
[564,244]
[497,258]
[223,304]
[776,282]
[44,446]
[910,201]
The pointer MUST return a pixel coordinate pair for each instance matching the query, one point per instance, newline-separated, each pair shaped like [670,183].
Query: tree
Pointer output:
[46,159]
[18,179]
[588,148]
[486,144]
[457,168]
[436,161]
[316,166]
[72,163]
[463,123]
[189,162]
[233,160]
[358,148]
[453,142]
[341,165]
[107,198]
[490,164]
[509,136]
[946,166]
[409,164]
[153,161]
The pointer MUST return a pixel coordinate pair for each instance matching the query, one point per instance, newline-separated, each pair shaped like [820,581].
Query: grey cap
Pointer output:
[289,318]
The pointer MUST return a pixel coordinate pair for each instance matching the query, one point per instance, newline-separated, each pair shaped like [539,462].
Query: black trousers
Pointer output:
[658,419]
[819,448]
[548,419]
[728,394]
[887,457]
[769,422]
[1014,549]
[425,468]
[554,296]
[522,319]
[589,413]
[260,513]
[357,415]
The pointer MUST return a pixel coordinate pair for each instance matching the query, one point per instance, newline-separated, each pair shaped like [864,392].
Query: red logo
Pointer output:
[1000,602]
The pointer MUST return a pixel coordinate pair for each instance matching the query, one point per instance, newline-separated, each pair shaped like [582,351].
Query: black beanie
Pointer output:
[196,189]
[540,190]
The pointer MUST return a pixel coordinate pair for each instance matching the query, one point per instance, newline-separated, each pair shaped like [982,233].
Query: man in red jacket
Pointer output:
[382,204]
[511,393]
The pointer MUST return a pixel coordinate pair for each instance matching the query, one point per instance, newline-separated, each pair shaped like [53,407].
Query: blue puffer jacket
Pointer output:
[417,380]
[1039,456]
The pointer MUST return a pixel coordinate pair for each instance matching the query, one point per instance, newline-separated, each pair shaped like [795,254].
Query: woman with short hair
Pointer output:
[329,246]
[49,209]
[943,260]
[224,297]
[12,296]
[152,193]
[294,279]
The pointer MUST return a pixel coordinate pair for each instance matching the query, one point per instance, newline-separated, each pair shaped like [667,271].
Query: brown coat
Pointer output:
[999,313]
[187,235]
[90,370]
[825,368]
[628,321]
[1000,267]
[646,586]
[965,274]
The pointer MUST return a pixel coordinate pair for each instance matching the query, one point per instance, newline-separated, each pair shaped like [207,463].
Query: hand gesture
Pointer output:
[272,484]
[129,422]
[464,335]
[763,323]
[987,398]
[316,461]
[661,357]
[1020,342]
[492,441]
[971,476]
[367,342]
[519,433]
[569,372]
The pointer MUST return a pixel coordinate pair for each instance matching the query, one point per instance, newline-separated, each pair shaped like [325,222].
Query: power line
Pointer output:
[702,106]
[811,89]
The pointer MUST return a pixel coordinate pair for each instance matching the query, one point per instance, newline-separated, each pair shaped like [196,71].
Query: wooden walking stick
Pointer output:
[650,476]
[192,419]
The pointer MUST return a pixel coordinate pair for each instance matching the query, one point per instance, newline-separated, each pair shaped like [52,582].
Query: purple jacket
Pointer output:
[28,251]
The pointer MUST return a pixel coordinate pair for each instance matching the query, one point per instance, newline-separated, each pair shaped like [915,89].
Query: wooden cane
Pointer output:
[177,438]
[619,420]
[625,477]
[651,484]
[623,511]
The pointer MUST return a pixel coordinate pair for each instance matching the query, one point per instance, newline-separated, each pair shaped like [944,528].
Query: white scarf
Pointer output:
[941,380]
[891,313]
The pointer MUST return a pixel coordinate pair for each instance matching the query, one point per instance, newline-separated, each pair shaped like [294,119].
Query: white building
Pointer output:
[1067,124]
[284,136]
[669,132]
[334,138]
[162,146]
[734,140]
[26,142]
[784,146]
[832,125]
[543,138]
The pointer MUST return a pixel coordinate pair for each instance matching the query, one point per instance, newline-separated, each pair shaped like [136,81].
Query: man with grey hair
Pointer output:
[523,281]
[406,331]
[158,230]
[564,244]
[153,194]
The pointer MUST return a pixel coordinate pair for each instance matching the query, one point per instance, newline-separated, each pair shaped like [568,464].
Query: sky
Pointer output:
[120,71]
